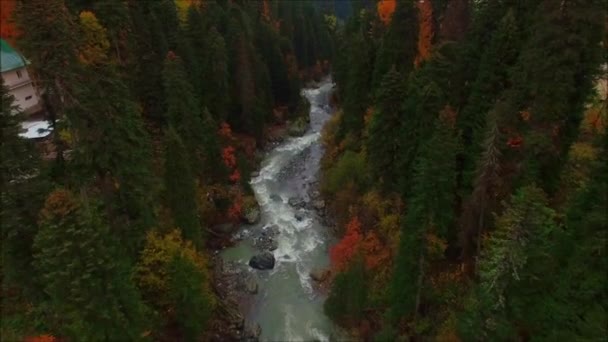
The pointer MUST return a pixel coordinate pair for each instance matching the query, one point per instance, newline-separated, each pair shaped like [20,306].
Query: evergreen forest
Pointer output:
[462,178]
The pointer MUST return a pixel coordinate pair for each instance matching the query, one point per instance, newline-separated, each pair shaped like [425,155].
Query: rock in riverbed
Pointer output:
[318,205]
[319,275]
[264,261]
[296,202]
[251,286]
[252,215]
[265,242]
[252,332]
[298,216]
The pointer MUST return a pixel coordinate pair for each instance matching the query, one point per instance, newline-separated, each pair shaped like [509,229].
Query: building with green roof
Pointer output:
[15,77]
[9,58]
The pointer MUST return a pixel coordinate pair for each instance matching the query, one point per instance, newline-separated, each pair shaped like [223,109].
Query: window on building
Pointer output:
[19,74]
[28,97]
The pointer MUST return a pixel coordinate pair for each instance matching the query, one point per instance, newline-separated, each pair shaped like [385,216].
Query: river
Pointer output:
[286,306]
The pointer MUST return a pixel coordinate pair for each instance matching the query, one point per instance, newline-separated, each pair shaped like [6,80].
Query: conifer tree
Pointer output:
[216,85]
[50,41]
[424,97]
[511,287]
[89,293]
[183,109]
[192,307]
[348,295]
[492,77]
[398,44]
[580,292]
[384,129]
[486,183]
[147,83]
[110,141]
[180,188]
[430,211]
[23,188]
[566,37]
[357,86]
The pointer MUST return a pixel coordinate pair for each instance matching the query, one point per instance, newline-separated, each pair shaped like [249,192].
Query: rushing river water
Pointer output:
[286,306]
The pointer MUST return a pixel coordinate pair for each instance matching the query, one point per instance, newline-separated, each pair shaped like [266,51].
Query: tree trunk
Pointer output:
[420,280]
[479,228]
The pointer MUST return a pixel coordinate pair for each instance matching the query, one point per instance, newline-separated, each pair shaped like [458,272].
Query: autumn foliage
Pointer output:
[386,9]
[355,241]
[229,152]
[425,31]
[41,338]
[344,251]
[8,29]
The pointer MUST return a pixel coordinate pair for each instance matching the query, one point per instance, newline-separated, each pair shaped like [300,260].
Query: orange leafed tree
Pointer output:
[41,338]
[425,30]
[386,9]
[8,29]
[345,250]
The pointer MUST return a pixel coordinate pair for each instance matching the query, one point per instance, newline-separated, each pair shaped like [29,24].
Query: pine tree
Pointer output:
[147,82]
[398,45]
[580,291]
[23,188]
[430,211]
[424,97]
[216,85]
[89,291]
[491,81]
[348,295]
[193,308]
[486,184]
[357,87]
[50,41]
[384,129]
[512,287]
[110,141]
[566,37]
[180,188]
[183,109]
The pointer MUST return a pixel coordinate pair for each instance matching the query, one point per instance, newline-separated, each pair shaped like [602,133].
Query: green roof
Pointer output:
[9,58]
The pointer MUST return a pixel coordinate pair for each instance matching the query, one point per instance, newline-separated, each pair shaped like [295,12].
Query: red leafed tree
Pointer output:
[236,209]
[41,338]
[235,176]
[386,9]
[229,157]
[345,250]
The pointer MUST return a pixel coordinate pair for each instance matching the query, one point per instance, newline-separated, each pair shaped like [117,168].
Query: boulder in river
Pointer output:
[263,261]
[251,286]
[318,205]
[265,242]
[297,128]
[319,275]
[252,332]
[251,210]
[296,202]
[225,228]
[298,216]
[252,215]
[272,230]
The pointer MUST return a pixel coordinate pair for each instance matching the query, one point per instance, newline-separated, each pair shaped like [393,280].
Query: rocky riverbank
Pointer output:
[235,287]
